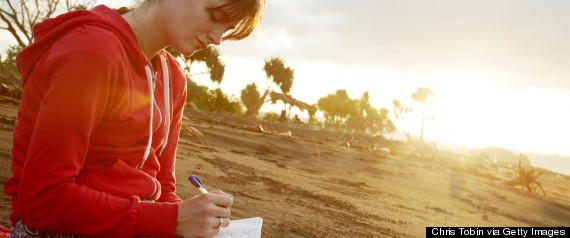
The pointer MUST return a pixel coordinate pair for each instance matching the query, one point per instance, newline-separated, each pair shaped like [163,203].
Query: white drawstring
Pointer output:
[151,94]
[159,116]
[166,80]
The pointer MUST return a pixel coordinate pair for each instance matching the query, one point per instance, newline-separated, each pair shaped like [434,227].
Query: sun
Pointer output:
[470,112]
[476,113]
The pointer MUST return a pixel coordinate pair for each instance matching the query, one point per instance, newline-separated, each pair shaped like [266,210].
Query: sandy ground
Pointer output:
[307,182]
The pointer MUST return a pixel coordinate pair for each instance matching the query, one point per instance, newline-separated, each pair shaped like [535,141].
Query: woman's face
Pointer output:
[190,26]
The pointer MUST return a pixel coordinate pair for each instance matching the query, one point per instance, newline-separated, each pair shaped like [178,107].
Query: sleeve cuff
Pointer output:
[169,197]
[156,219]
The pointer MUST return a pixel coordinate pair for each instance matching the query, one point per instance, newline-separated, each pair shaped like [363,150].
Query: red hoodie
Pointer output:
[83,129]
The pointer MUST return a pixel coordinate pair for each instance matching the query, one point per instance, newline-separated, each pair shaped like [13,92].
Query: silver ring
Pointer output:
[221,223]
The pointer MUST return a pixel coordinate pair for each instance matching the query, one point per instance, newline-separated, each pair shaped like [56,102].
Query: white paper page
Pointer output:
[244,228]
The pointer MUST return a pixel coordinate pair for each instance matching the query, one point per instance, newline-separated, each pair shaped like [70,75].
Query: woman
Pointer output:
[97,130]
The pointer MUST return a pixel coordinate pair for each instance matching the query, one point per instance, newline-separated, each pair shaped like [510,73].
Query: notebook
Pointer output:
[243,228]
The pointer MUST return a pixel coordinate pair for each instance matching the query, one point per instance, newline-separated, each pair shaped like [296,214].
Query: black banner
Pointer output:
[514,232]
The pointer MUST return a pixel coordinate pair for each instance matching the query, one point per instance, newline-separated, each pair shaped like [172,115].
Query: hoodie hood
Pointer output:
[46,32]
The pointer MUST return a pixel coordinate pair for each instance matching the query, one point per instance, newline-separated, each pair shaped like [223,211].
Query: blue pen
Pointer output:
[198,184]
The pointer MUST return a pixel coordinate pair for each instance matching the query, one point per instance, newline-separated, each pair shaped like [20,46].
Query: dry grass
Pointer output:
[526,178]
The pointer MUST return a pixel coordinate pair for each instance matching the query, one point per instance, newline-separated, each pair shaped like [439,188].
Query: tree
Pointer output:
[210,56]
[19,16]
[358,118]
[399,110]
[281,75]
[345,105]
[357,114]
[79,5]
[421,96]
[10,84]
[216,67]
[8,66]
[382,123]
[212,100]
[221,102]
[336,107]
[371,119]
[325,105]
[311,109]
[356,122]
[250,97]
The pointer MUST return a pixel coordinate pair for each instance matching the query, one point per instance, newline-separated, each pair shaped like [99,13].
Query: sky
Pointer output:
[498,68]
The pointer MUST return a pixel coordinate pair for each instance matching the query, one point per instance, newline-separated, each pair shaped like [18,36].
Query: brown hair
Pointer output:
[249,11]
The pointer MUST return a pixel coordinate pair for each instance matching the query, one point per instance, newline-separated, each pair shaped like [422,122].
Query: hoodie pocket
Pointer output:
[122,180]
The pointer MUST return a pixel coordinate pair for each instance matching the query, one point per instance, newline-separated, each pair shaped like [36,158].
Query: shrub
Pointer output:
[271,116]
[212,100]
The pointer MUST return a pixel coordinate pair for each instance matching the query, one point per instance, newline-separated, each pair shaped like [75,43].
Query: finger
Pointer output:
[219,199]
[226,222]
[222,212]
[221,222]
[222,193]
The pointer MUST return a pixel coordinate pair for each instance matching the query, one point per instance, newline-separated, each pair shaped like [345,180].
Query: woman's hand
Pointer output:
[200,215]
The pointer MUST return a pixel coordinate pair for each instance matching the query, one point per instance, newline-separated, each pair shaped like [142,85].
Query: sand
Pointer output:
[308,182]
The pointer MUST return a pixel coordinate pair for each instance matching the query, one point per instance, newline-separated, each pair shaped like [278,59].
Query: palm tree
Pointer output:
[400,110]
[210,56]
[250,98]
[421,96]
[281,75]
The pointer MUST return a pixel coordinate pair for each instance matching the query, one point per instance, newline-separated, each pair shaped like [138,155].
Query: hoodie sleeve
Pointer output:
[76,82]
[166,175]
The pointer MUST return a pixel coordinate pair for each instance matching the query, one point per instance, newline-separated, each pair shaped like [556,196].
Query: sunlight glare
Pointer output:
[479,114]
